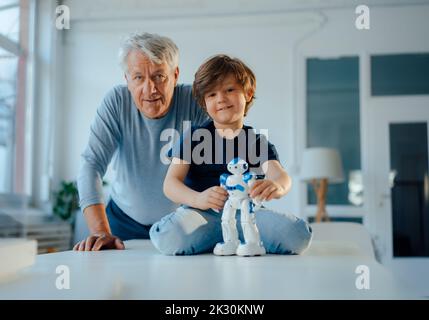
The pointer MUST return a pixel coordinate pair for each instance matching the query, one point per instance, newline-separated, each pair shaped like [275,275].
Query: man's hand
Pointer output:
[99,241]
[266,190]
[211,198]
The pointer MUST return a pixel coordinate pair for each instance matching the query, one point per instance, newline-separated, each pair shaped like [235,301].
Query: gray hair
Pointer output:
[157,48]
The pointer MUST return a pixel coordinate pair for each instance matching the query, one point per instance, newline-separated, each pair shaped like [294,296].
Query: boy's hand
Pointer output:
[266,190]
[211,198]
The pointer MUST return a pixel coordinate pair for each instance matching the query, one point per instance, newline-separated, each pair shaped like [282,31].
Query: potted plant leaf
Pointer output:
[66,201]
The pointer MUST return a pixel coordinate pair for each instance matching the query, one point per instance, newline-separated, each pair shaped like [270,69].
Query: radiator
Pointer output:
[52,234]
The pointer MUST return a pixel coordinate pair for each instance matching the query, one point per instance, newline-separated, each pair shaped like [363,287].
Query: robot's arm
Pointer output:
[223,179]
[249,178]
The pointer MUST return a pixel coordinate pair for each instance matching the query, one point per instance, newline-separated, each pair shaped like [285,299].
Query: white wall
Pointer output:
[265,38]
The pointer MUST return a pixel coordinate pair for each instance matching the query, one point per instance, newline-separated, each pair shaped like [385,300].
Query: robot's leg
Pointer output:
[229,232]
[252,245]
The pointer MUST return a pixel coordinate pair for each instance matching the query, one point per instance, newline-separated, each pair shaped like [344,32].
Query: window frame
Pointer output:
[311,193]
[368,154]
[21,166]
[334,211]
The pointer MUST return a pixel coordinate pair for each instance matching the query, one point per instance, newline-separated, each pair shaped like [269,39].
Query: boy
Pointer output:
[225,88]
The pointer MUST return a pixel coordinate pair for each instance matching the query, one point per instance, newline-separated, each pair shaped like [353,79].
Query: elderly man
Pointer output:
[128,124]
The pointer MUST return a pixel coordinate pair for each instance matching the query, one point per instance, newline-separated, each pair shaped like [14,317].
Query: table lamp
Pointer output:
[321,166]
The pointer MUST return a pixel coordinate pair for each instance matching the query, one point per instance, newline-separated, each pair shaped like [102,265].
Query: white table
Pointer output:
[140,272]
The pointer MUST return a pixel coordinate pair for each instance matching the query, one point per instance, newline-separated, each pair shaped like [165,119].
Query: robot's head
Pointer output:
[237,166]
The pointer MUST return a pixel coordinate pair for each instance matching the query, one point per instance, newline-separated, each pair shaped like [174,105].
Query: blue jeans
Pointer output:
[188,231]
[124,226]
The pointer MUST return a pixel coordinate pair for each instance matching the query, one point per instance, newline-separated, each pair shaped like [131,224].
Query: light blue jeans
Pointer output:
[188,231]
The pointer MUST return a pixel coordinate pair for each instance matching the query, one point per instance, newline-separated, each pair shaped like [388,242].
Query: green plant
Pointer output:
[66,201]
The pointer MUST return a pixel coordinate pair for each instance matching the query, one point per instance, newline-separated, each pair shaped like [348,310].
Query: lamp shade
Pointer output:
[322,163]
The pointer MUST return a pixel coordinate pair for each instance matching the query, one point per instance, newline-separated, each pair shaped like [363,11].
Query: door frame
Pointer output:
[384,111]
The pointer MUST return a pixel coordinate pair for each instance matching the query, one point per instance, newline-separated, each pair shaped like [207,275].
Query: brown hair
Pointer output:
[215,70]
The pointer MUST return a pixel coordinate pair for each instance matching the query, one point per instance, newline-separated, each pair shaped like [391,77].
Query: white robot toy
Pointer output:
[238,185]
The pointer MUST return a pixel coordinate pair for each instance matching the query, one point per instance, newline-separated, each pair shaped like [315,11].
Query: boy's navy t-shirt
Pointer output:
[209,154]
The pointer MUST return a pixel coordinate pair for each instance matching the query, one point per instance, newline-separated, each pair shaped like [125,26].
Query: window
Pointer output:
[400,74]
[333,122]
[12,97]
[8,70]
